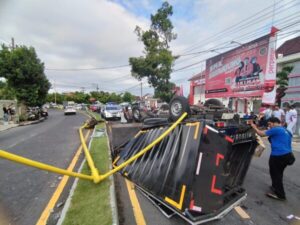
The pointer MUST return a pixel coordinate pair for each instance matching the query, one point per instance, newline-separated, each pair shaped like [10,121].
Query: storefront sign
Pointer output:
[247,71]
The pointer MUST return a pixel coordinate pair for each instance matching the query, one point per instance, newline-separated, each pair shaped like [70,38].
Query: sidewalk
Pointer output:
[9,126]
[295,144]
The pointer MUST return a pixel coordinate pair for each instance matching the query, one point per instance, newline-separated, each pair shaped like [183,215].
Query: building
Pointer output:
[288,54]
[242,78]
[197,88]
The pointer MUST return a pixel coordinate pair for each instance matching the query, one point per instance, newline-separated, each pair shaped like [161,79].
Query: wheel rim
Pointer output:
[136,114]
[176,108]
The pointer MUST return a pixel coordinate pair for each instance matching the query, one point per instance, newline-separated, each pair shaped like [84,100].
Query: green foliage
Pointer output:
[157,63]
[6,92]
[282,76]
[164,92]
[24,73]
[113,97]
[80,97]
[128,97]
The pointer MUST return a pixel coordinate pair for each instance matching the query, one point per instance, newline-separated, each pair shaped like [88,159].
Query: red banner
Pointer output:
[245,71]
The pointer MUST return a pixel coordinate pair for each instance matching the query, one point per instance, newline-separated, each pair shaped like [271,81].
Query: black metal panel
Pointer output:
[202,165]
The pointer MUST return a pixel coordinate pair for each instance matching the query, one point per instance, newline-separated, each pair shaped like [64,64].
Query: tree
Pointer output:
[24,73]
[127,97]
[157,63]
[282,82]
[6,92]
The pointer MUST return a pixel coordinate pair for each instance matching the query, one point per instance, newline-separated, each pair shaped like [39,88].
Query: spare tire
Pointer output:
[213,102]
[155,122]
[136,114]
[178,106]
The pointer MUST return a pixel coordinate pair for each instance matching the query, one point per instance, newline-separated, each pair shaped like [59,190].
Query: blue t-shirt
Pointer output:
[281,140]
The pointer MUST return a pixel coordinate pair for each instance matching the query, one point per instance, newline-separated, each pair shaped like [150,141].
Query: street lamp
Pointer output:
[236,42]
[215,51]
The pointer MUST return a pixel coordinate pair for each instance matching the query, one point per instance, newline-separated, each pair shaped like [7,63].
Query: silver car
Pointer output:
[111,112]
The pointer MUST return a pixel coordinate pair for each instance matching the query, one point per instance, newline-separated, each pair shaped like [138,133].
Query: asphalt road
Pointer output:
[25,191]
[262,210]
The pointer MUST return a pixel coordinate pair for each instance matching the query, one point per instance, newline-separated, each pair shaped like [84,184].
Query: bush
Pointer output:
[23,117]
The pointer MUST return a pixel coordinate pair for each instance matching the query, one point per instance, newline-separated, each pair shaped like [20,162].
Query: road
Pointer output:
[261,210]
[25,191]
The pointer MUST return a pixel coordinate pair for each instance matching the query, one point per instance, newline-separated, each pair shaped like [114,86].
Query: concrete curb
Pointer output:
[8,128]
[32,122]
[113,199]
[24,124]
[69,199]
[112,191]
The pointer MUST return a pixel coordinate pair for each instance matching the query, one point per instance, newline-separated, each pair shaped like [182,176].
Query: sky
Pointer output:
[87,44]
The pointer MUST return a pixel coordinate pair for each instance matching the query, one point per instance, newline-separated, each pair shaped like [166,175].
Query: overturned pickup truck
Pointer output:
[197,170]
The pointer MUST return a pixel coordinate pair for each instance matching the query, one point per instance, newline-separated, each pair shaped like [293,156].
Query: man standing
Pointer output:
[279,113]
[291,118]
[281,155]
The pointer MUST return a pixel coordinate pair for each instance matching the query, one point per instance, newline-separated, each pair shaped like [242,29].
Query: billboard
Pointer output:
[246,71]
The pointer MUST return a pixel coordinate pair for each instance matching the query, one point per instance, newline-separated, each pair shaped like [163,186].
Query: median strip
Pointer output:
[90,203]
[47,211]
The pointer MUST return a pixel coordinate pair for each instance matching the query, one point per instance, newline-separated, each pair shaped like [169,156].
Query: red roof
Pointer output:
[289,47]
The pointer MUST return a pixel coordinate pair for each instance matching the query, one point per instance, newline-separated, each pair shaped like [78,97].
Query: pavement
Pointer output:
[25,123]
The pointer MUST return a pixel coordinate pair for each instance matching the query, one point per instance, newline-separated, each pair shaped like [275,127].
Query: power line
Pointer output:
[241,25]
[246,36]
[204,60]
[85,69]
[293,23]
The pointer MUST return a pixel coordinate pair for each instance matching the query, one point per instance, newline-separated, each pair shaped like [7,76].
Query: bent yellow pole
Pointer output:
[143,151]
[42,166]
[94,171]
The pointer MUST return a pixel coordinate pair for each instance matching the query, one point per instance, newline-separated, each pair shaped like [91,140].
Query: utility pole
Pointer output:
[97,88]
[141,90]
[54,93]
[12,43]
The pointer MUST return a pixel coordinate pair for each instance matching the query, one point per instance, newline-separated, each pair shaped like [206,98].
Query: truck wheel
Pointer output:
[178,106]
[136,114]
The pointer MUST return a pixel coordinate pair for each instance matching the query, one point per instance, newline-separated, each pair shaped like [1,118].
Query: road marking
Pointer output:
[137,211]
[179,204]
[199,163]
[242,212]
[51,204]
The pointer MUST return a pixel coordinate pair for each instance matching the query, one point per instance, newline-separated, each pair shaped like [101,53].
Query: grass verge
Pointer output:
[90,202]
[97,116]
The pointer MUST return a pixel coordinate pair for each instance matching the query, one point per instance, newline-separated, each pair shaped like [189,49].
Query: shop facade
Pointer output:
[245,77]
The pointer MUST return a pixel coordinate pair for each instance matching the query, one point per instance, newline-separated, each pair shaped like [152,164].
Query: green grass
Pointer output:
[97,116]
[90,203]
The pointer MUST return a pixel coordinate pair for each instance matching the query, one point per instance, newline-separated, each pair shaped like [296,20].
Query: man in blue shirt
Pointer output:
[281,154]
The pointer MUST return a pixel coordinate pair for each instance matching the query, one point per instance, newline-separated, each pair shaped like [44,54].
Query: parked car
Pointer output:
[70,110]
[33,113]
[44,112]
[111,111]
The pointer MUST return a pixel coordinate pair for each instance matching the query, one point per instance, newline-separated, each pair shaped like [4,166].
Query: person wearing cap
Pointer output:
[281,155]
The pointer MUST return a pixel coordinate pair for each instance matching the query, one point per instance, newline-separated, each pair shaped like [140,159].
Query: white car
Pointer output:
[111,112]
[70,110]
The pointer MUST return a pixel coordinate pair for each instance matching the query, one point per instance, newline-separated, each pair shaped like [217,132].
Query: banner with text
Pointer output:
[247,71]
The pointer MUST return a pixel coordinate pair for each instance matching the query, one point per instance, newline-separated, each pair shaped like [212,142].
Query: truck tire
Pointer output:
[178,106]
[136,114]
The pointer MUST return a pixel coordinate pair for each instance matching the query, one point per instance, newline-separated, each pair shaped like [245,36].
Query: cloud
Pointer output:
[87,34]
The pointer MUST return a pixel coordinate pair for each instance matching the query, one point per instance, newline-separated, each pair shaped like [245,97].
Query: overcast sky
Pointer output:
[70,35]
